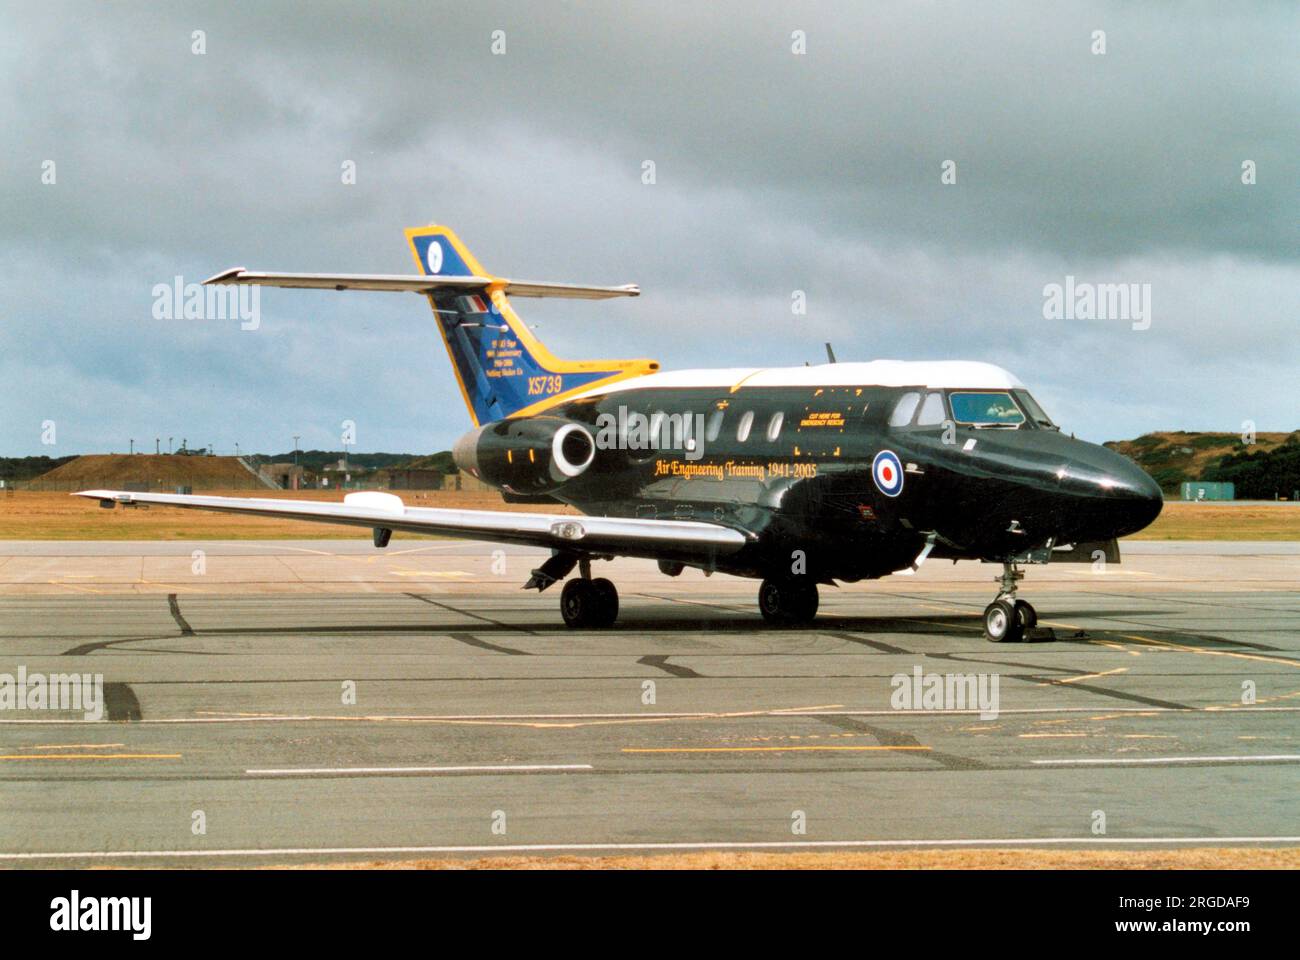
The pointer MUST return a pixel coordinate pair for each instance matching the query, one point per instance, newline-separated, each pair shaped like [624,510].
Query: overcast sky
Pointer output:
[775,171]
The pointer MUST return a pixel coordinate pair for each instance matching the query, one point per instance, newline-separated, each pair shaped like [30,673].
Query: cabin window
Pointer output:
[714,426]
[659,439]
[932,413]
[904,409]
[774,425]
[747,421]
[985,408]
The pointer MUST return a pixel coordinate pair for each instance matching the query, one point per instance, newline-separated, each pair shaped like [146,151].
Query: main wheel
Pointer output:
[1002,622]
[606,602]
[1027,614]
[579,603]
[787,601]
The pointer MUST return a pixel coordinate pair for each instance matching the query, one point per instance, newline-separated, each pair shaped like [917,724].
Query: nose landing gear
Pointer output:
[1006,619]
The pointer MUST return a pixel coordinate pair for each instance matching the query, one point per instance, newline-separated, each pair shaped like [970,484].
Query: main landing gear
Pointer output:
[1006,619]
[788,601]
[588,603]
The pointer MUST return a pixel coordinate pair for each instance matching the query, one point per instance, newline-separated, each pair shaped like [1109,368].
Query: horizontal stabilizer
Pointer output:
[414,283]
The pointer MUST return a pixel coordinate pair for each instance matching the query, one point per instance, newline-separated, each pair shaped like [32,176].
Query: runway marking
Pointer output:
[77,586]
[1213,653]
[371,771]
[757,749]
[1101,761]
[407,572]
[76,746]
[90,756]
[647,845]
[1086,676]
[658,717]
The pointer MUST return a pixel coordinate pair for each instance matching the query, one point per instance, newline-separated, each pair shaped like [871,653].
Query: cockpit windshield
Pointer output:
[993,408]
[1036,413]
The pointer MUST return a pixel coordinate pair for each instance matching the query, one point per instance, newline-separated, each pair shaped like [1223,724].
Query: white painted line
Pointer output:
[1106,761]
[370,771]
[593,847]
[720,715]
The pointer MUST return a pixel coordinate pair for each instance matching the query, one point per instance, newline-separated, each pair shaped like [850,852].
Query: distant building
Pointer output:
[286,476]
[408,478]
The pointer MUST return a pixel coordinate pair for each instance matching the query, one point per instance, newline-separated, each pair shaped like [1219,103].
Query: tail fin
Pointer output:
[503,370]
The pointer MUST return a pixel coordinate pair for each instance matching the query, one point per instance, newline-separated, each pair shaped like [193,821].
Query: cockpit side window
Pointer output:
[1036,413]
[985,408]
[904,409]
[932,412]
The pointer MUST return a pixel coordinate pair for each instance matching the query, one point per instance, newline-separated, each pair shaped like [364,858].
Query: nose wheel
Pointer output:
[1006,619]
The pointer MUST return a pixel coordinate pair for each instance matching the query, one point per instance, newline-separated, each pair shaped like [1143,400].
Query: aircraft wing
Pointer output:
[640,537]
[415,283]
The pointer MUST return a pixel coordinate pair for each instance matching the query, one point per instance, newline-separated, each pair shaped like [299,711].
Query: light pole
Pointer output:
[169,446]
[133,445]
[295,448]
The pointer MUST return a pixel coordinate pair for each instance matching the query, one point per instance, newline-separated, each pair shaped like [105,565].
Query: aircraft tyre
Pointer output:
[607,601]
[589,603]
[1027,614]
[787,601]
[1002,623]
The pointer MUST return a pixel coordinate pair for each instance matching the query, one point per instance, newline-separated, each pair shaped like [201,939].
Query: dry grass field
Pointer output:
[26,515]
[1208,858]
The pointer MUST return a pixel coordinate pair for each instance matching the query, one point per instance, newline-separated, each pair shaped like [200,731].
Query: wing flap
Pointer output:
[622,536]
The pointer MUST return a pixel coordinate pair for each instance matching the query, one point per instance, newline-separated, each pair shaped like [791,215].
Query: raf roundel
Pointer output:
[434,256]
[888,473]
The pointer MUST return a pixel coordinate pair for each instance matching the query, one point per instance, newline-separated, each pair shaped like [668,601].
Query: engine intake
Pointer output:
[528,456]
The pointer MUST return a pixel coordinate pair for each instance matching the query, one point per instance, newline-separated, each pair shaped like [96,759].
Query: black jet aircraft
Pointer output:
[796,476]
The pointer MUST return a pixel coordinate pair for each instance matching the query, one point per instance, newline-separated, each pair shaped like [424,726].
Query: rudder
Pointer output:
[502,369]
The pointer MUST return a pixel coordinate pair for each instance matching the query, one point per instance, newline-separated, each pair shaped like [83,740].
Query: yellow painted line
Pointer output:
[1213,653]
[1091,676]
[1049,736]
[90,756]
[404,572]
[539,724]
[75,586]
[754,749]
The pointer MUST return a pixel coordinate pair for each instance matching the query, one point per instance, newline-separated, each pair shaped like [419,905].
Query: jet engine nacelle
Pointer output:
[531,455]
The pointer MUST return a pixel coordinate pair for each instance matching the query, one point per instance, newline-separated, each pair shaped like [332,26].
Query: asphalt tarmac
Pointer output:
[318,701]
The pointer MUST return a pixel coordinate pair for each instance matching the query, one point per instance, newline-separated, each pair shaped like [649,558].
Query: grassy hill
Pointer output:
[162,471]
[1172,457]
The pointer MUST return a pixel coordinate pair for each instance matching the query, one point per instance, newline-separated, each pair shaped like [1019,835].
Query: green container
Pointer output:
[1204,490]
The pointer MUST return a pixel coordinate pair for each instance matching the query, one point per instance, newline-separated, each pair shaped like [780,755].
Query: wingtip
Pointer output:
[225,276]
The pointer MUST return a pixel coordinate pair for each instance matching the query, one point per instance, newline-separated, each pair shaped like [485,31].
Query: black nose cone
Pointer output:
[1137,500]
[1115,497]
